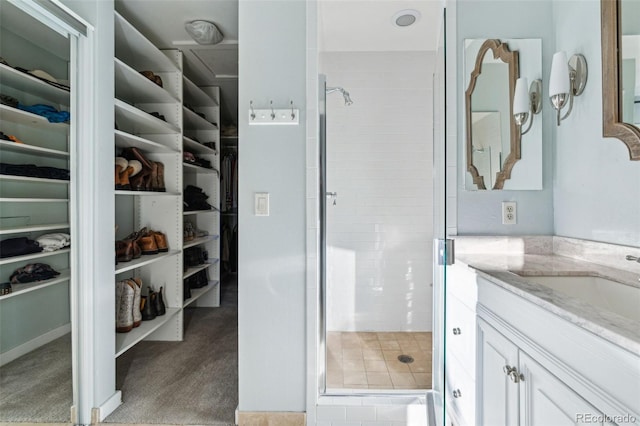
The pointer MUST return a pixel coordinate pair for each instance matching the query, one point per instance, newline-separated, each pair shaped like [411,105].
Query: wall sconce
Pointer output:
[567,80]
[527,101]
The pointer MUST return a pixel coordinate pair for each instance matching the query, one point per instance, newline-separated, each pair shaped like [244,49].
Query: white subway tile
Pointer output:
[392,413]
[331,413]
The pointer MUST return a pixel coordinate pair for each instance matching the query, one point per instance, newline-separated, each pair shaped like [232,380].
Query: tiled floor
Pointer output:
[370,360]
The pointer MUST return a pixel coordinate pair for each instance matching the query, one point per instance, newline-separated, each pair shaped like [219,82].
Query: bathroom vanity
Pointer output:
[539,334]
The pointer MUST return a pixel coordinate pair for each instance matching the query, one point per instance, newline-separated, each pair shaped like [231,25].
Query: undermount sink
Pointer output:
[606,294]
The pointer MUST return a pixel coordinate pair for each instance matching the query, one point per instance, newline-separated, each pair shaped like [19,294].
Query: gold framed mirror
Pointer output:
[617,120]
[479,117]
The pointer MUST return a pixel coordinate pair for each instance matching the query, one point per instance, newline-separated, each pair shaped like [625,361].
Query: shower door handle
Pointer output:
[333,196]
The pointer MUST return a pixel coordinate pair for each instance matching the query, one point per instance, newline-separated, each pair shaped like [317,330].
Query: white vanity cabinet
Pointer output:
[536,368]
[516,389]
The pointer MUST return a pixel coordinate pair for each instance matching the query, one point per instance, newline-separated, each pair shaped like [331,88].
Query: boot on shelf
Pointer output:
[137,315]
[148,307]
[160,307]
[125,293]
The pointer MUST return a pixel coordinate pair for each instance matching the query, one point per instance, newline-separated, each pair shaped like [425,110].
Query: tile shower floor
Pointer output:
[369,360]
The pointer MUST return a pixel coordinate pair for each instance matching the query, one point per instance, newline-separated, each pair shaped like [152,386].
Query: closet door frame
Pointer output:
[81,208]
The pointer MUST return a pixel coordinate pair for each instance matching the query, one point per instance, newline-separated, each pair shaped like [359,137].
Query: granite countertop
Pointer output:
[510,272]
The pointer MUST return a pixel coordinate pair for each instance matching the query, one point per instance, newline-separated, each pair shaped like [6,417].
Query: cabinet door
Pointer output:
[546,401]
[497,394]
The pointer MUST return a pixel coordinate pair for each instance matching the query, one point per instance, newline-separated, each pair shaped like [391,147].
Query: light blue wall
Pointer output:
[596,188]
[271,276]
[480,212]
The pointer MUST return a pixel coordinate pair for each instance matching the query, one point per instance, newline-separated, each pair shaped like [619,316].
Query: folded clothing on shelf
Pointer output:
[195,199]
[8,100]
[48,112]
[31,170]
[188,157]
[54,241]
[18,247]
[33,272]
[194,256]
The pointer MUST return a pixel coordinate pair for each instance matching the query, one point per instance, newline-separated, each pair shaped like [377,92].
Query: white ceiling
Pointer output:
[367,25]
[343,25]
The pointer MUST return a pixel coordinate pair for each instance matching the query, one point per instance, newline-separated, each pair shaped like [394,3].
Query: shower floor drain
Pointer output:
[406,359]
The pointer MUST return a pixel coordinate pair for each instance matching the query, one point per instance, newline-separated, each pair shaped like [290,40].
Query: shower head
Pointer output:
[345,94]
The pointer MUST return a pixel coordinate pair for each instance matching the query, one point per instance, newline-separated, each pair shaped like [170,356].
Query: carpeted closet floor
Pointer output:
[36,387]
[190,382]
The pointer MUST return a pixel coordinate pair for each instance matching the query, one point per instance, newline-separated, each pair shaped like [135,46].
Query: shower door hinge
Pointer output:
[446,252]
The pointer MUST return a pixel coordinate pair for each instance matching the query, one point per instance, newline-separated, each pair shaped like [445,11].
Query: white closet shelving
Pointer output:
[157,140]
[182,104]
[33,206]
[201,114]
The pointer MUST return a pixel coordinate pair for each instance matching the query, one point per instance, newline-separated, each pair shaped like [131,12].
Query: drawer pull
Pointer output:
[457,393]
[456,331]
[513,374]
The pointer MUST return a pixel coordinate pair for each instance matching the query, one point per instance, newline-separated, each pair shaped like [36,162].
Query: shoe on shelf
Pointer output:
[161,241]
[125,293]
[148,244]
[127,250]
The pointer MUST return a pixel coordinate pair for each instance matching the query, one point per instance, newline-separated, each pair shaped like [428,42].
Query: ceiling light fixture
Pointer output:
[406,18]
[204,32]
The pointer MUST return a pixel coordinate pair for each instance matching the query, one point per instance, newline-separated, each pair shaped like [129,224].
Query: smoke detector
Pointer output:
[405,18]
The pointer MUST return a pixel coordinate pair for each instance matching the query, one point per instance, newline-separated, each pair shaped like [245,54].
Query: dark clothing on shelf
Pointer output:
[18,247]
[33,272]
[31,170]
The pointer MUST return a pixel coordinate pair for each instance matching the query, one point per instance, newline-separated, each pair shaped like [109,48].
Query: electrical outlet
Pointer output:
[509,213]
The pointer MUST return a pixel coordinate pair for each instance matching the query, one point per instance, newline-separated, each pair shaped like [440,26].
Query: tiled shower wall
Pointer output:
[379,153]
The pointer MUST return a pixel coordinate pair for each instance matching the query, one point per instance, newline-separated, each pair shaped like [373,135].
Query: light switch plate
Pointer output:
[261,204]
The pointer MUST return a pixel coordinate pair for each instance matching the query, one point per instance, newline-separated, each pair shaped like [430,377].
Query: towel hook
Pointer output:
[253,112]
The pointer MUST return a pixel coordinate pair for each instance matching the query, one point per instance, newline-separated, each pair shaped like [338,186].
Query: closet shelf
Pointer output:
[143,261]
[192,168]
[31,149]
[195,269]
[34,228]
[137,51]
[136,88]
[147,193]
[34,200]
[33,179]
[34,86]
[196,147]
[125,341]
[26,257]
[195,96]
[139,122]
[196,293]
[19,116]
[127,140]
[229,214]
[192,212]
[20,289]
[200,240]
[193,121]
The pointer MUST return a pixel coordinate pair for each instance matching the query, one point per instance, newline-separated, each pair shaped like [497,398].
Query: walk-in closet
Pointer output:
[174,191]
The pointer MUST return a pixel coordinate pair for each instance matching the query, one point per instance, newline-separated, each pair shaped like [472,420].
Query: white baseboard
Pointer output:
[27,347]
[99,414]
